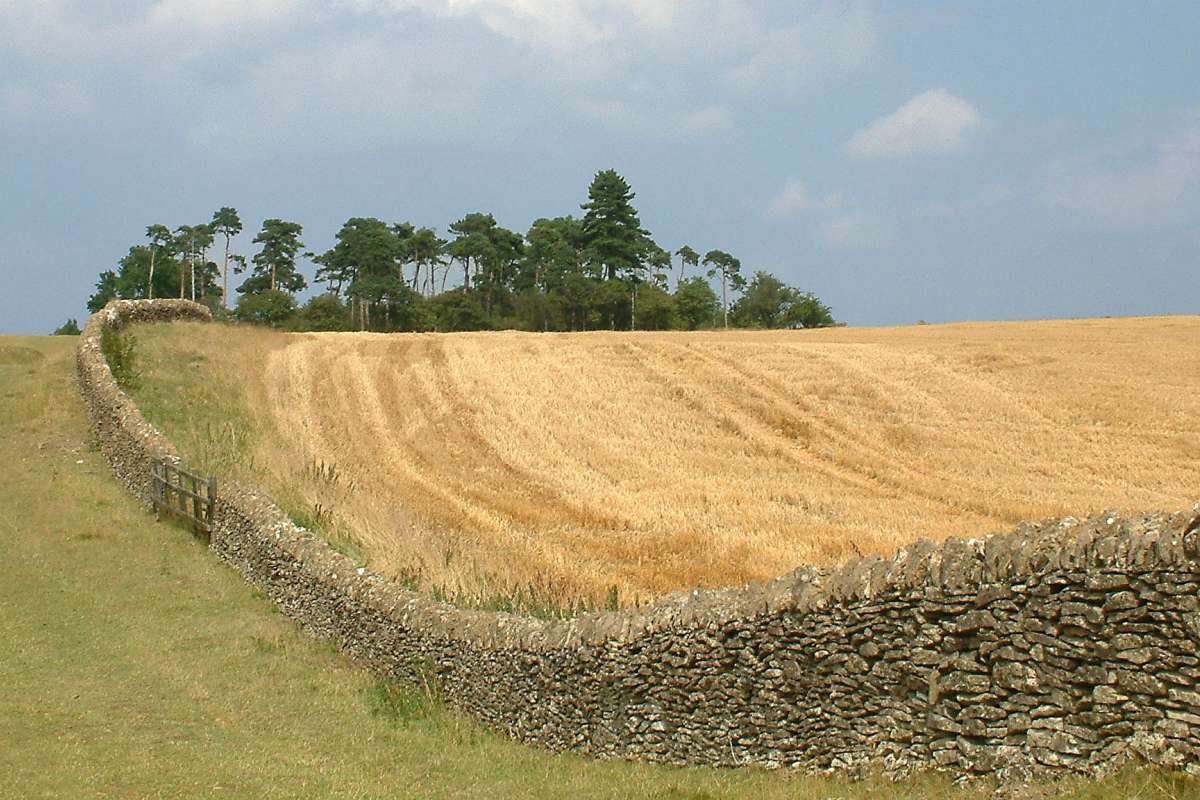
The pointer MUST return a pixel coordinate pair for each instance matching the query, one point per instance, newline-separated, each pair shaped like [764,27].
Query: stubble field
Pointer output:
[137,665]
[563,465]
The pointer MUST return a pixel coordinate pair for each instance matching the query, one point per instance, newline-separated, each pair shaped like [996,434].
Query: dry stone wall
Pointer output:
[1061,645]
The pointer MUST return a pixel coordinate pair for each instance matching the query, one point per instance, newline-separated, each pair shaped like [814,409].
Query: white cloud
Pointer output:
[357,92]
[610,112]
[26,101]
[933,122]
[829,41]
[66,33]
[794,198]
[1140,180]
[630,118]
[834,200]
[221,15]
[743,45]
[661,68]
[840,223]
[551,24]
[855,230]
[707,120]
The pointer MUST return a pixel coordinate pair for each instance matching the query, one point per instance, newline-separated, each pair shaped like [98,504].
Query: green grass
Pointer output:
[189,390]
[134,664]
[187,387]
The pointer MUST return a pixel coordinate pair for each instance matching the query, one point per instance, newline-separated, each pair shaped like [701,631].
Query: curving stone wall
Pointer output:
[128,442]
[1062,645]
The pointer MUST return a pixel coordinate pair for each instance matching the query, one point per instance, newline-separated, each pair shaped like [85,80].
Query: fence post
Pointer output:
[195,504]
[212,502]
[155,478]
[181,492]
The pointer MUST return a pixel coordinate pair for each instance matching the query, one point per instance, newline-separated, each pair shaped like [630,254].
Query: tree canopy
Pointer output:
[226,223]
[729,270]
[613,238]
[68,328]
[603,270]
[275,262]
[131,280]
[768,302]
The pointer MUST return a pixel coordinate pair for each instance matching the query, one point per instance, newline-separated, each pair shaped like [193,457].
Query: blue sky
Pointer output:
[905,161]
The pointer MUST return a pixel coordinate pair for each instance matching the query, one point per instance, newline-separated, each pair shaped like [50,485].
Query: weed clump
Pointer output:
[120,351]
[401,702]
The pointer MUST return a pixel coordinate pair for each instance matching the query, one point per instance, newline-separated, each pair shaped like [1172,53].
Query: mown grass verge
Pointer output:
[134,664]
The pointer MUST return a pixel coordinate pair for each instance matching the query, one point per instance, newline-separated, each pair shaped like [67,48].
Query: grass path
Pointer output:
[134,664]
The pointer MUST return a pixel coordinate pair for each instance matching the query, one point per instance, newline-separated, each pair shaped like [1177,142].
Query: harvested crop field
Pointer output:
[566,464]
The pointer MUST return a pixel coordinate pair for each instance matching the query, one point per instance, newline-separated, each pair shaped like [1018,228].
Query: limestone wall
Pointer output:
[1061,645]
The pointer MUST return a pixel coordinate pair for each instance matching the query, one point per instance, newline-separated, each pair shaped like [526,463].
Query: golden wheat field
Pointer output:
[571,463]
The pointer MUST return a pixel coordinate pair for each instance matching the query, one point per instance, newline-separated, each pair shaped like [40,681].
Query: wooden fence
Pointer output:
[184,494]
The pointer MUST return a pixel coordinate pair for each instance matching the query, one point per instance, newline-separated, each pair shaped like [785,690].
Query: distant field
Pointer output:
[570,463]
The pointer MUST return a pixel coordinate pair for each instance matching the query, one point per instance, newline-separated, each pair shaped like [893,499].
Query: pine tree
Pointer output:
[275,263]
[227,223]
[614,240]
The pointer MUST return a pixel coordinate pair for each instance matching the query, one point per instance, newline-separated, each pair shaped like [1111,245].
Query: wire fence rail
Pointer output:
[184,494]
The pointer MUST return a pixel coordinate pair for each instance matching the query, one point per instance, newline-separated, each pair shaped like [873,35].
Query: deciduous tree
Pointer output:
[68,328]
[131,279]
[770,303]
[655,309]
[457,310]
[106,289]
[696,304]
[272,307]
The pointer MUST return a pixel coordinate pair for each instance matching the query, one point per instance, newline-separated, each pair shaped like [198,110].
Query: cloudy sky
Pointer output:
[905,161]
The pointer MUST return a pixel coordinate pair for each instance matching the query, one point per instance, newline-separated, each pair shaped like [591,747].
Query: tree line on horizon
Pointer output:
[600,271]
